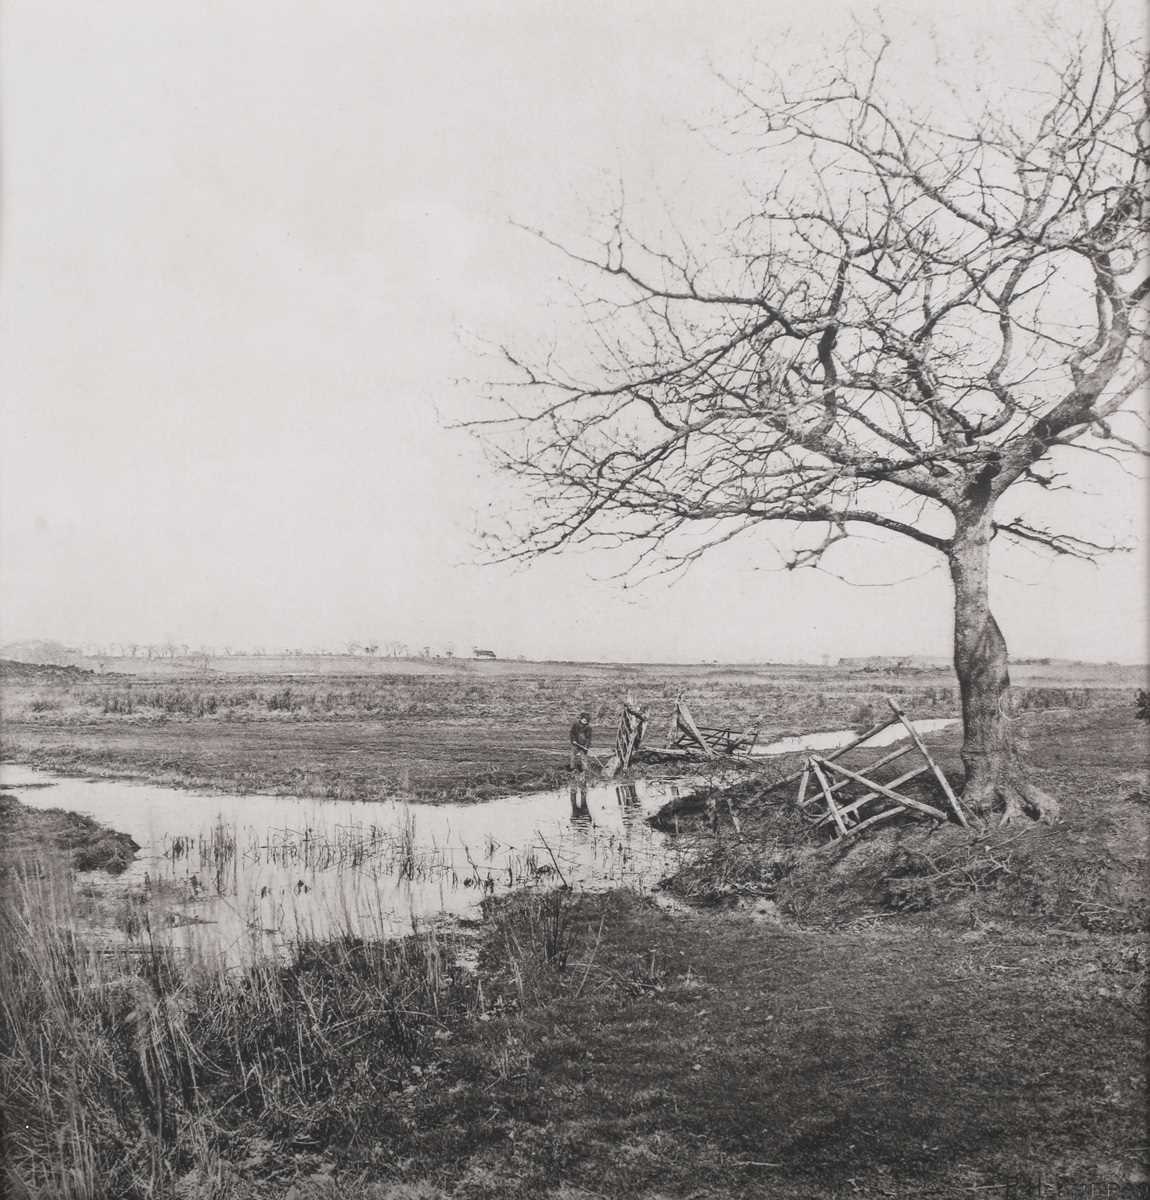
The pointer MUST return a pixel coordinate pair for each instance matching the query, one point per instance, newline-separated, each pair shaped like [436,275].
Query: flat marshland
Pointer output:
[935,1013]
[444,729]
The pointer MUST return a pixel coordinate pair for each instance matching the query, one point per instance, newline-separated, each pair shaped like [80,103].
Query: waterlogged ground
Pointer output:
[249,874]
[443,732]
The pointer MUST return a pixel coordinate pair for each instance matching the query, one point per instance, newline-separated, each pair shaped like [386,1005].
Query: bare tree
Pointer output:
[912,320]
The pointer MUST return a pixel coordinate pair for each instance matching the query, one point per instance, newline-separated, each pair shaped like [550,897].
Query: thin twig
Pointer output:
[591,961]
[558,868]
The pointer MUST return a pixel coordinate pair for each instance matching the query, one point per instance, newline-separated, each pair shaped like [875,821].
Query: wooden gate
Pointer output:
[846,800]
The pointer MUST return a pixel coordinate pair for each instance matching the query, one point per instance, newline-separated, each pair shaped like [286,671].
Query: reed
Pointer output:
[130,1065]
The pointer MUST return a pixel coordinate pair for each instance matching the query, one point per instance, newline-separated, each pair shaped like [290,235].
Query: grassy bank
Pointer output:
[1087,872]
[56,840]
[136,1073]
[602,1048]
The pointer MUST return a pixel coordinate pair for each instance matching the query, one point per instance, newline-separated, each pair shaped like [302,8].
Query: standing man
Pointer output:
[580,745]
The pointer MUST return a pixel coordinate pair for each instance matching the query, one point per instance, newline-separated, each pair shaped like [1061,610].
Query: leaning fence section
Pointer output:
[845,800]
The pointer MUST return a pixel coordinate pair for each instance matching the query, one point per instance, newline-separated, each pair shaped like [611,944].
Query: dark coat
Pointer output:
[581,735]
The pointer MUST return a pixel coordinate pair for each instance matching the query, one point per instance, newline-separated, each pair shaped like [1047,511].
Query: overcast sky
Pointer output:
[245,251]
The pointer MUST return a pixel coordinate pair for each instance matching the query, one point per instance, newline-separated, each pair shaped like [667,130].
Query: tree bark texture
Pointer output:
[995,775]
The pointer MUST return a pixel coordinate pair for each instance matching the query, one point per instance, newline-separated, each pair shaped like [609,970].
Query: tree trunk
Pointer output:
[995,774]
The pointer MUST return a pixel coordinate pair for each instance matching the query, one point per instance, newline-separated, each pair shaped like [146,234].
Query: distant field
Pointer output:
[1056,672]
[440,729]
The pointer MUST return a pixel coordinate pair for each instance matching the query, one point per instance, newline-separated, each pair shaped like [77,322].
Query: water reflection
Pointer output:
[626,794]
[578,793]
[248,874]
[580,813]
[832,739]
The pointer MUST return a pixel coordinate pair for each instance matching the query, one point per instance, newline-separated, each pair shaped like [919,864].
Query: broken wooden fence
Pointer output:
[629,735]
[824,781]
[686,734]
[686,738]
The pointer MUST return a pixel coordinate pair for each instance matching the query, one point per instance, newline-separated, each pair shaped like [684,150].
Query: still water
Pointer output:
[245,876]
[249,875]
[833,738]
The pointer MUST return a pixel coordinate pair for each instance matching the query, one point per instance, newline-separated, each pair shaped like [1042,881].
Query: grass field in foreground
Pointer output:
[634,1054]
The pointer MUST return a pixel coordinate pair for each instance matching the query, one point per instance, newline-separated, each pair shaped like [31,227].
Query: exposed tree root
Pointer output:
[1024,800]
[1014,797]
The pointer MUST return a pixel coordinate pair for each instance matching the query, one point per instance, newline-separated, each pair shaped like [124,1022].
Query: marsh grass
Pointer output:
[144,1072]
[142,1069]
[543,926]
[132,1067]
[335,861]
[224,850]
[793,698]
[448,736]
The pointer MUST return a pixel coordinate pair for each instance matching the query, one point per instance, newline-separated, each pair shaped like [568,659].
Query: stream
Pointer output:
[247,876]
